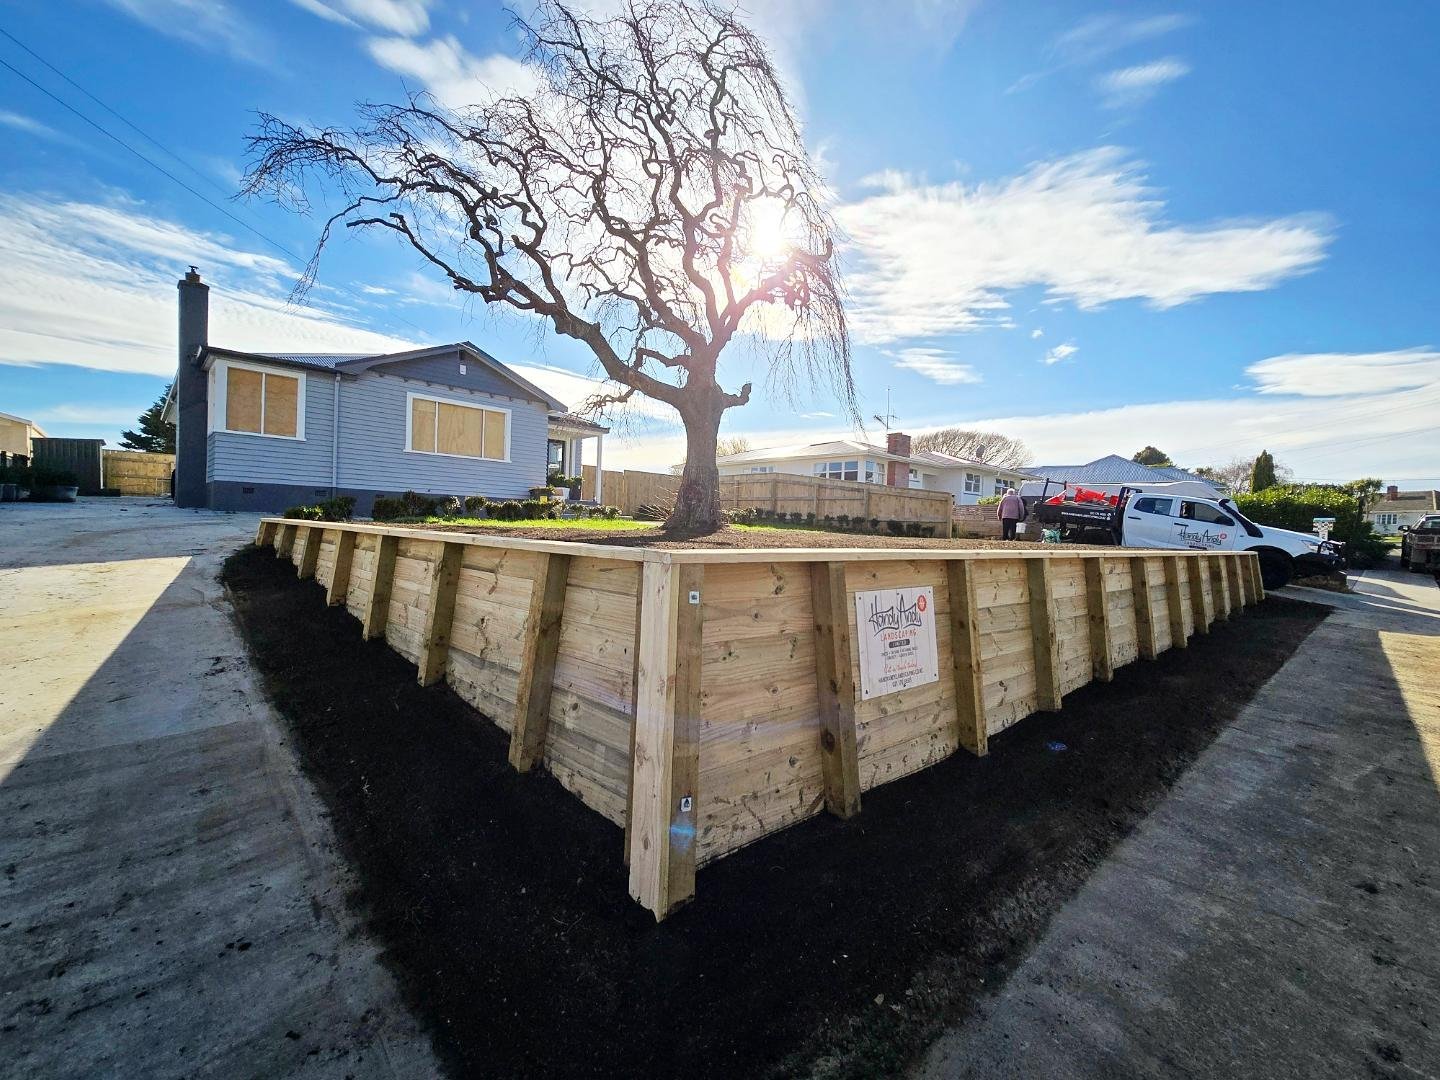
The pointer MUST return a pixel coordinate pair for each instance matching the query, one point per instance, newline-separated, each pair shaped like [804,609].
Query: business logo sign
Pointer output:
[1200,536]
[895,639]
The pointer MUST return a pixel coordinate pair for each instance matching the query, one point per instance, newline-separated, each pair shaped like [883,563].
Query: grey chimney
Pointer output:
[192,392]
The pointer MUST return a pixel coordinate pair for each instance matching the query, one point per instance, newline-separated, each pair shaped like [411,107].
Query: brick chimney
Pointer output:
[1392,493]
[897,473]
[192,391]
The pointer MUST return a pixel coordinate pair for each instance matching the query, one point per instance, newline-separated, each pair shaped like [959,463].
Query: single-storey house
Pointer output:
[266,430]
[1397,509]
[896,465]
[1109,474]
[17,435]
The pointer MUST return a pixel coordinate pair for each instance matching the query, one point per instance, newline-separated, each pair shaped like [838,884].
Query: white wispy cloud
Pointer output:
[937,365]
[453,74]
[1036,334]
[1095,37]
[117,263]
[1059,353]
[28,124]
[405,17]
[1343,374]
[1134,85]
[934,259]
[210,24]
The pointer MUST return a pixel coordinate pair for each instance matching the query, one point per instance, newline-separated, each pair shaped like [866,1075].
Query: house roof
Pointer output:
[354,363]
[1113,469]
[1408,502]
[28,423]
[853,448]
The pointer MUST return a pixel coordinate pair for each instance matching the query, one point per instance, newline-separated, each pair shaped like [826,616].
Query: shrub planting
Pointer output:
[1294,506]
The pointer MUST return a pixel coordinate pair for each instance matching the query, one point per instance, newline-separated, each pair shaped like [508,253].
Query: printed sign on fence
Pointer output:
[895,636]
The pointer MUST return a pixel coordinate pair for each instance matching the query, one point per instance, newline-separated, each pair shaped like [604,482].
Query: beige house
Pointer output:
[896,465]
[17,433]
[1398,509]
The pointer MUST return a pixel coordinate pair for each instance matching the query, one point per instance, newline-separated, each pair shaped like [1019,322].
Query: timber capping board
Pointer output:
[705,698]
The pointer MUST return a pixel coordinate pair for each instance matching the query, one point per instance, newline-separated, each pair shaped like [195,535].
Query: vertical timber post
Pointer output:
[835,687]
[965,657]
[1175,603]
[377,604]
[310,553]
[634,699]
[1042,633]
[1257,579]
[537,661]
[665,767]
[284,540]
[1199,607]
[1144,608]
[339,587]
[1097,601]
[1219,587]
[265,534]
[440,613]
[1239,594]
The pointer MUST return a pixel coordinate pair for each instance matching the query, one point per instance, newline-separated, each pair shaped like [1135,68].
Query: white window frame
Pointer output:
[762,468]
[220,391]
[484,406]
[977,486]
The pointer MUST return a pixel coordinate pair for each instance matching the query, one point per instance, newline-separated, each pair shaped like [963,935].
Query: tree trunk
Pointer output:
[697,503]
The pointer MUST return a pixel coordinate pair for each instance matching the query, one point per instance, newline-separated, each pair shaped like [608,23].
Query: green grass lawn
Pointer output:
[598,524]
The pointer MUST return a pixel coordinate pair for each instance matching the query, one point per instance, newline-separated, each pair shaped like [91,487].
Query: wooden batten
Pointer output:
[634,699]
[1199,604]
[1144,609]
[310,553]
[1175,603]
[1239,584]
[965,653]
[835,686]
[537,661]
[665,762]
[265,533]
[284,540]
[1097,602]
[1257,579]
[382,574]
[1042,634]
[1219,587]
[439,613]
[339,586]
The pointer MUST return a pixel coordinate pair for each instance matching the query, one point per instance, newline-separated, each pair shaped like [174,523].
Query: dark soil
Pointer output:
[832,948]
[733,538]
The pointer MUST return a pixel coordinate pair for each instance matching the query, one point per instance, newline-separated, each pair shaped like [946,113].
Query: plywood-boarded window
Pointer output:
[445,427]
[261,403]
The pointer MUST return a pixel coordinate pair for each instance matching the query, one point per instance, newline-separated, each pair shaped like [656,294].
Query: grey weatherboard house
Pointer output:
[264,431]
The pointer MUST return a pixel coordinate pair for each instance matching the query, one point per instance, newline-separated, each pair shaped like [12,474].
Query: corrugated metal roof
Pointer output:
[571,420]
[325,361]
[1113,469]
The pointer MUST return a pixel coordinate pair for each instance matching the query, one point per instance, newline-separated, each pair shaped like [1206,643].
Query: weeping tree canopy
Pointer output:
[651,198]
[985,446]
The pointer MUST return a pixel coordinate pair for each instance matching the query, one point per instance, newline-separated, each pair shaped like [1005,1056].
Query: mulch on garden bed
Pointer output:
[832,949]
[727,537]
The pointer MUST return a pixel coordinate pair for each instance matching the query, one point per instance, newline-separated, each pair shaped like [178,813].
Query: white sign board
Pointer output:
[895,637]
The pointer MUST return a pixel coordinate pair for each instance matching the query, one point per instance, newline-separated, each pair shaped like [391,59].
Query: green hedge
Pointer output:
[1292,506]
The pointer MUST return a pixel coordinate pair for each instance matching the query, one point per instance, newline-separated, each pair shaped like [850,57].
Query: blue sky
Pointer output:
[1211,228]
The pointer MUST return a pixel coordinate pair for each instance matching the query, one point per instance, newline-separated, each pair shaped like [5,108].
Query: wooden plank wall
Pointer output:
[133,472]
[750,690]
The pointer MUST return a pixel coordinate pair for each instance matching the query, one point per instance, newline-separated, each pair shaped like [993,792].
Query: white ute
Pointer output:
[1177,516]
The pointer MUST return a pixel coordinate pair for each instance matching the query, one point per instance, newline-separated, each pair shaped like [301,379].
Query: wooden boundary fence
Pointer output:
[705,698]
[788,493]
[135,473]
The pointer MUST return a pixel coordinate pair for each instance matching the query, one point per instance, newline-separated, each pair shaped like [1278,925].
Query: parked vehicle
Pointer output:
[1420,546]
[1159,516]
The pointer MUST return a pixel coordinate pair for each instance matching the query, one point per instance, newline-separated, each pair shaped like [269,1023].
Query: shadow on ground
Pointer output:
[833,948]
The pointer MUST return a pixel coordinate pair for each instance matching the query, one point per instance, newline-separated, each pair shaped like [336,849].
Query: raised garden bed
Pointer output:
[705,698]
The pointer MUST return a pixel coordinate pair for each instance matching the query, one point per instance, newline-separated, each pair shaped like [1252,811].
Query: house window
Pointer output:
[873,473]
[838,470]
[1001,486]
[263,402]
[762,468]
[1389,521]
[455,430]
[555,455]
[915,479]
[972,483]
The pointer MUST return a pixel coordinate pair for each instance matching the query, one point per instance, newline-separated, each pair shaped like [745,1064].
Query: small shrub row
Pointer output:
[413,505]
[339,508]
[834,523]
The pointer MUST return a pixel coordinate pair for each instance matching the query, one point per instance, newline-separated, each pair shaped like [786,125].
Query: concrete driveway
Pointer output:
[1276,916]
[171,903]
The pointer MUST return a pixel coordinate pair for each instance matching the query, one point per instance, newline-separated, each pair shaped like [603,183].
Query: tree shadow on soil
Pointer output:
[837,948]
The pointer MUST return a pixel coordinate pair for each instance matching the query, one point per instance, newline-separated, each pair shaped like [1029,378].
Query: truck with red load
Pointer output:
[1176,516]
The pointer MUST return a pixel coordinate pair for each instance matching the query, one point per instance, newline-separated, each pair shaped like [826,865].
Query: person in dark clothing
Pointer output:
[1011,512]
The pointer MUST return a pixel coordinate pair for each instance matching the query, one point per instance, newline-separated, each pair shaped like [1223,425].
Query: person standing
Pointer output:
[1011,512]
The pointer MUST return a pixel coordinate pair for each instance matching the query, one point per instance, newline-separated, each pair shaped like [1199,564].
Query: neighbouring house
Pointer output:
[1109,474]
[1396,509]
[896,465]
[267,430]
[17,435]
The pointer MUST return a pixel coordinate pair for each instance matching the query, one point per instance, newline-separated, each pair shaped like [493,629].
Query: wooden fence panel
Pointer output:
[135,473]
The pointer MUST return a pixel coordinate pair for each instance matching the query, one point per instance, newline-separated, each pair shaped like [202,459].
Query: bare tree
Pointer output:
[652,199]
[986,446]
